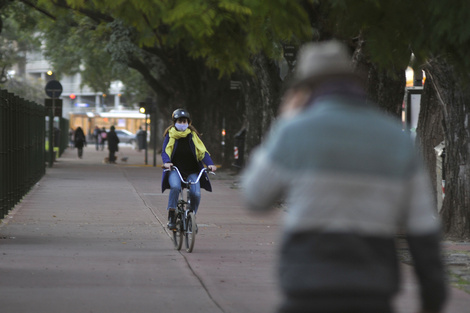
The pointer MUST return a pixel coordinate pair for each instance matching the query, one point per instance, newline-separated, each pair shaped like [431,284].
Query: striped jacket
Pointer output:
[352,180]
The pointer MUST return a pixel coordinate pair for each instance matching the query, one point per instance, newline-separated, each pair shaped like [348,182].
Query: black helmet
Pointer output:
[180,113]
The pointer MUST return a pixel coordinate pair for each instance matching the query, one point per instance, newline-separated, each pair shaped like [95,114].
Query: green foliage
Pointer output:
[135,88]
[388,26]
[17,37]
[448,32]
[17,34]
[394,29]
[225,33]
[82,45]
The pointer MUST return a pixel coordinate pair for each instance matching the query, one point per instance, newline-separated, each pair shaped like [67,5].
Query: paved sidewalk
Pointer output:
[91,237]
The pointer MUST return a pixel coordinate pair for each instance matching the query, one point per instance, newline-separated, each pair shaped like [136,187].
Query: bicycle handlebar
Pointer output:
[174,168]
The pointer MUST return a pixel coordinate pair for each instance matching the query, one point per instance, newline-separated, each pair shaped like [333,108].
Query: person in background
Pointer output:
[141,139]
[71,140]
[351,180]
[113,144]
[80,141]
[183,148]
[97,137]
[103,135]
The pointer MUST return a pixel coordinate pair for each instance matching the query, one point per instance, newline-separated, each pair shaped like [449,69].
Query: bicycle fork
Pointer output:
[184,208]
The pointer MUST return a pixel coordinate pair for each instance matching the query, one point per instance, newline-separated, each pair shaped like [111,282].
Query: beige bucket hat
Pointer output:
[321,61]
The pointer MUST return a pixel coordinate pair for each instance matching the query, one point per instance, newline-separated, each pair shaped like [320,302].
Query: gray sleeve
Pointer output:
[262,182]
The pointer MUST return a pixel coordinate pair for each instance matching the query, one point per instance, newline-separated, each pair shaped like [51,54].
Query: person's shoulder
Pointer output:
[295,123]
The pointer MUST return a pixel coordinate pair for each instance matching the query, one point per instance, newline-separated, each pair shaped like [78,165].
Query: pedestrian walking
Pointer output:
[351,180]
[141,139]
[103,135]
[183,148]
[80,141]
[113,144]
[97,137]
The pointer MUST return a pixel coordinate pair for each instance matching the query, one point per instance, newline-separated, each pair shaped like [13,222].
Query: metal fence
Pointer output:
[22,143]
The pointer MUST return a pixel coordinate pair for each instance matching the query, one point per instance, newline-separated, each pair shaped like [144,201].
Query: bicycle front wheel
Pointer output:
[178,235]
[190,234]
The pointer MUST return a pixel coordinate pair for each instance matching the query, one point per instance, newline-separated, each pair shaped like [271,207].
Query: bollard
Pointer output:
[440,174]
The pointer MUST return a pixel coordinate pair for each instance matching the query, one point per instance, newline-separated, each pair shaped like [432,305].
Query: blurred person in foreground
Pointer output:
[351,180]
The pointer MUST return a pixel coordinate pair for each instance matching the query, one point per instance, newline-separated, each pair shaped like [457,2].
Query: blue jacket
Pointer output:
[205,183]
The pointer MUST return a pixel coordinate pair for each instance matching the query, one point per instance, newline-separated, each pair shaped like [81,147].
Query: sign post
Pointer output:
[53,90]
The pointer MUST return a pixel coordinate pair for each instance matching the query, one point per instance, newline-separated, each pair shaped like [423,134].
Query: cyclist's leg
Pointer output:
[194,192]
[175,189]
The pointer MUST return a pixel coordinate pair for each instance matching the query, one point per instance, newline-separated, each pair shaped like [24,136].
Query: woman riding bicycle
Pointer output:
[183,148]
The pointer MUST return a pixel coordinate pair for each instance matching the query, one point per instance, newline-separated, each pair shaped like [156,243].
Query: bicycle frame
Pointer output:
[187,184]
[184,213]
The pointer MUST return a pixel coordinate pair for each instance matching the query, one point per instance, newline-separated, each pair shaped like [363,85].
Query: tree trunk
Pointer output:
[262,93]
[386,88]
[430,132]
[454,99]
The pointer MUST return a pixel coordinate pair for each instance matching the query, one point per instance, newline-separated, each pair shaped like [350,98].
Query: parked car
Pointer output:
[126,136]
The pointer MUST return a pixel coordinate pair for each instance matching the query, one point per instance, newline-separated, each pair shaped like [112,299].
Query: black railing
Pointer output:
[22,144]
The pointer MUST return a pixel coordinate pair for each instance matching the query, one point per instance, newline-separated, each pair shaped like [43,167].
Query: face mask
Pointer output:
[181,127]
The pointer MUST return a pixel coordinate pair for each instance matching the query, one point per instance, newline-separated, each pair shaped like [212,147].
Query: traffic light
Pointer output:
[72,96]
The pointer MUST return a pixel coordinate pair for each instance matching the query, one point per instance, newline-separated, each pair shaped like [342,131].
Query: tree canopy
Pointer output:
[17,34]
[225,33]
[394,29]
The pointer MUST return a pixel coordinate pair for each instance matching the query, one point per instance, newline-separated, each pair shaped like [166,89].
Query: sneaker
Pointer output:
[171,219]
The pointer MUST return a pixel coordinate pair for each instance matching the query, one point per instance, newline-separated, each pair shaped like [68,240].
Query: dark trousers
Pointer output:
[112,157]
[337,304]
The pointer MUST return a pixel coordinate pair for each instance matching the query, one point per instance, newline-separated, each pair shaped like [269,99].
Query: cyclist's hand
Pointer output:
[167,165]
[212,168]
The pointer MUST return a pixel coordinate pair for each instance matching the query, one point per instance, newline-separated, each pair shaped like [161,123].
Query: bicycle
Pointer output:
[186,226]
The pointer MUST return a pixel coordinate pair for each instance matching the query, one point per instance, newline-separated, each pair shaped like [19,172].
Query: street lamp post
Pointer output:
[53,90]
[144,110]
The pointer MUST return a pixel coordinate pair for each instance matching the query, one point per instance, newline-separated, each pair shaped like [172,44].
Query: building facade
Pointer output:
[81,105]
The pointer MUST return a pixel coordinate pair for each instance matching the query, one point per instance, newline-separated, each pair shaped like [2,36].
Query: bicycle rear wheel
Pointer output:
[190,234]
[178,234]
